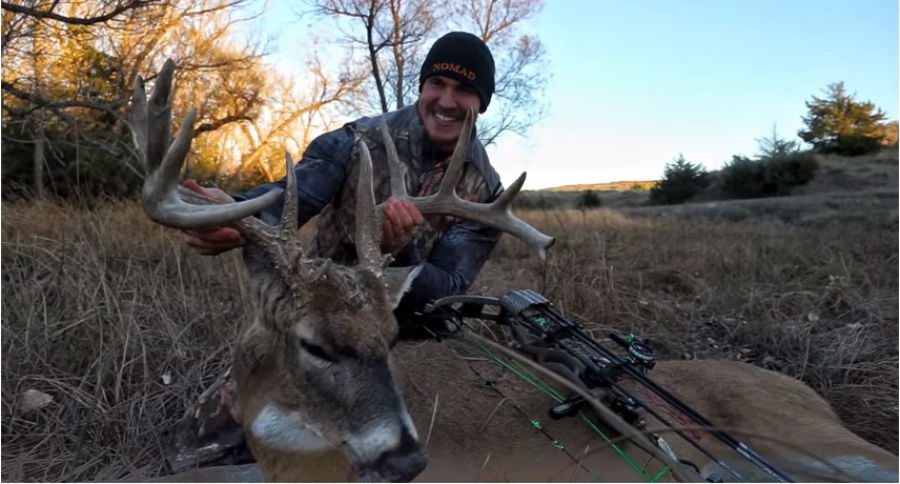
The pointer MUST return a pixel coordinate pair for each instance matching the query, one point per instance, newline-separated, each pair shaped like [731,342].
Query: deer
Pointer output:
[327,393]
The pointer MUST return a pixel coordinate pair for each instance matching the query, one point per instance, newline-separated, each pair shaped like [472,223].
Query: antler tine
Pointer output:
[368,217]
[159,112]
[396,169]
[139,120]
[152,137]
[504,201]
[447,190]
[289,214]
[497,214]
[151,126]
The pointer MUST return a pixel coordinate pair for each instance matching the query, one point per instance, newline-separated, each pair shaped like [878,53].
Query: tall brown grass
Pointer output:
[97,307]
[123,327]
[817,303]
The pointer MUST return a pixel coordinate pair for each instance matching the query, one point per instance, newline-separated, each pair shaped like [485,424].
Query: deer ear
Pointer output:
[398,280]
[255,345]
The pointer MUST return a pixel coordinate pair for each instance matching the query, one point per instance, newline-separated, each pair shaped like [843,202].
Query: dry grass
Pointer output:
[618,186]
[840,174]
[817,303]
[866,210]
[98,305]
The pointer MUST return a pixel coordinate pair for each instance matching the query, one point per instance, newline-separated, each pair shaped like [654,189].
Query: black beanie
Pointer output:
[464,57]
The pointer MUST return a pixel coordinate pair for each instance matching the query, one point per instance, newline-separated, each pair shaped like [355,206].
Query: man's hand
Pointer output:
[213,240]
[402,218]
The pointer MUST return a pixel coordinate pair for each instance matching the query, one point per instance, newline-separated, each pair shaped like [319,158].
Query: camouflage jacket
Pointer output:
[452,251]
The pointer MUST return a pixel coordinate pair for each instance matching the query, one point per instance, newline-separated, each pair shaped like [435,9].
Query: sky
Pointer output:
[634,84]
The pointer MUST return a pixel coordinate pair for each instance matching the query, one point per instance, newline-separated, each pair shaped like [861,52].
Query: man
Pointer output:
[457,76]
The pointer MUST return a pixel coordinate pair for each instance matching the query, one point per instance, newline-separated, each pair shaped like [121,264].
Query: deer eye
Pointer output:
[316,351]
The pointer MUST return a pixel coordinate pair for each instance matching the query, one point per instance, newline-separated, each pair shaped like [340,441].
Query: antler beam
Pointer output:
[497,214]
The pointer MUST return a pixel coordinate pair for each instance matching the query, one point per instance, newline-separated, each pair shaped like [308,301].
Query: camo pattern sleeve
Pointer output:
[320,175]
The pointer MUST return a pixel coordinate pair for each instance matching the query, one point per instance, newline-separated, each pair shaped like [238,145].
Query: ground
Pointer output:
[113,329]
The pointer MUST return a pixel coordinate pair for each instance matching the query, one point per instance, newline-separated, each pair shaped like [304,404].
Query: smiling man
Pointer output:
[456,77]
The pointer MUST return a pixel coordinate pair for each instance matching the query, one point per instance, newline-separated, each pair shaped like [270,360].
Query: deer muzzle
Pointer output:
[386,455]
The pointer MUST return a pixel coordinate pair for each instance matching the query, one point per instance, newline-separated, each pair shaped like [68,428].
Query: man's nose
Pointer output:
[447,100]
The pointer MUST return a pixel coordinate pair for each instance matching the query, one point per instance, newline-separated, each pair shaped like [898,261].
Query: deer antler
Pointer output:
[150,127]
[168,203]
[368,221]
[497,214]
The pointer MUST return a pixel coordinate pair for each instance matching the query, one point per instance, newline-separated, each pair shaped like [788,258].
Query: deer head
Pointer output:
[313,367]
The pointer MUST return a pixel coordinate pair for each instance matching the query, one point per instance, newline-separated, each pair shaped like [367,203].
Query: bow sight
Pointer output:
[546,336]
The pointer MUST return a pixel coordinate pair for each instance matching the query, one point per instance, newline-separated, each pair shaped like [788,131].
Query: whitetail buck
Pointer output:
[319,372]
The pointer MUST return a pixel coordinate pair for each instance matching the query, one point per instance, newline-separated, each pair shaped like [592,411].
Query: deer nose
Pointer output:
[402,463]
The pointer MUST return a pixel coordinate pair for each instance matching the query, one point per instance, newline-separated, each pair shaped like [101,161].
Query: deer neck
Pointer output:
[285,447]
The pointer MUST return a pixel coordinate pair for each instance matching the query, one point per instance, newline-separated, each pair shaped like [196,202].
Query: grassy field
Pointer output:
[619,186]
[837,175]
[115,320]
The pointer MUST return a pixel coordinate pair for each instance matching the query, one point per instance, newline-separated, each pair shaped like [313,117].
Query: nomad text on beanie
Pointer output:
[464,57]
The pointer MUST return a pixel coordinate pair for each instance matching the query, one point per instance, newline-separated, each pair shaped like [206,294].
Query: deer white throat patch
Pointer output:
[287,431]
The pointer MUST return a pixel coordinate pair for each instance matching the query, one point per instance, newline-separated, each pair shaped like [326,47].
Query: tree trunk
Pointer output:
[373,58]
[38,161]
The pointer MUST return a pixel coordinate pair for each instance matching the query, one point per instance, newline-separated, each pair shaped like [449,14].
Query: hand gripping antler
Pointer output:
[497,214]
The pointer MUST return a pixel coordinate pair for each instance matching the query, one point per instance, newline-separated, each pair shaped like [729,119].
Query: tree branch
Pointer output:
[50,15]
[214,125]
[57,107]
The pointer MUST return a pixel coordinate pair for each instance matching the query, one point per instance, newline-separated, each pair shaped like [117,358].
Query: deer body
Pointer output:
[477,437]
[319,371]
[469,427]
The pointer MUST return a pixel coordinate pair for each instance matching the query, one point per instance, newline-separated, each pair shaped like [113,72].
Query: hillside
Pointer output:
[840,174]
[837,174]
[617,186]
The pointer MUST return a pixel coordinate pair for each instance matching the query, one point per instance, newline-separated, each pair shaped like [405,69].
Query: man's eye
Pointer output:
[316,351]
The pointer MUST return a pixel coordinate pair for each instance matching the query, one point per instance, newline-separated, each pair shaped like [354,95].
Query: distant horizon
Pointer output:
[579,186]
[634,85]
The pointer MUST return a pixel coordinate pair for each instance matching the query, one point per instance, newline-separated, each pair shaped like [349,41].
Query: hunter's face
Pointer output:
[443,104]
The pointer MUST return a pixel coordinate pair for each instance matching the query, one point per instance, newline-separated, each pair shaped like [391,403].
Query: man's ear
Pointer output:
[398,280]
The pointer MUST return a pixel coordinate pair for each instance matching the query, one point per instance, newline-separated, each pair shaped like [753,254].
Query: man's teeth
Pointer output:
[441,117]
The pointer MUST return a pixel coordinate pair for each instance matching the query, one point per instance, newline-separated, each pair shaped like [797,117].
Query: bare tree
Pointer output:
[396,33]
[520,62]
[68,67]
[82,60]
[410,23]
[391,33]
[290,121]
[101,11]
[362,14]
